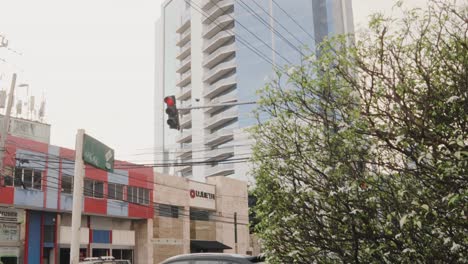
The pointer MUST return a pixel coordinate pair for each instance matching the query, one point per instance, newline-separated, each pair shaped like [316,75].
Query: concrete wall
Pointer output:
[143,252]
[232,198]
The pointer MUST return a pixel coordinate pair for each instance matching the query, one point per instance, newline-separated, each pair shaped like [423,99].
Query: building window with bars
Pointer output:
[167,210]
[115,191]
[67,184]
[93,188]
[138,195]
[25,178]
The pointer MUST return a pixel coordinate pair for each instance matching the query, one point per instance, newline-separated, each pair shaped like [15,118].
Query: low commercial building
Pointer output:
[192,216]
[36,194]
[131,213]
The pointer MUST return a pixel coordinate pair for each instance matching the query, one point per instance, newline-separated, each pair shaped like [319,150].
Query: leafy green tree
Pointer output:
[364,156]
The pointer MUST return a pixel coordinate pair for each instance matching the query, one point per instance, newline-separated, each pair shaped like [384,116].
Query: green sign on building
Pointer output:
[97,154]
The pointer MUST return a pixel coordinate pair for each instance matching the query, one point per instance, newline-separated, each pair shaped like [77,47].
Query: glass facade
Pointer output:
[226,54]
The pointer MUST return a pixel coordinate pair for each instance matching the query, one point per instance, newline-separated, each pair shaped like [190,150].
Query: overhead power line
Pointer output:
[271,27]
[294,20]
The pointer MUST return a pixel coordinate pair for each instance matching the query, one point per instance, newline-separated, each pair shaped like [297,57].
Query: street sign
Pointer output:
[97,154]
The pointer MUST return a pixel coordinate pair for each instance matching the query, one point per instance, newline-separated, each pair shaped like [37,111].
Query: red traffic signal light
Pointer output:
[172,112]
[169,100]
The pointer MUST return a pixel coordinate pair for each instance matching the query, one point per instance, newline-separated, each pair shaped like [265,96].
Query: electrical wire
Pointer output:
[147,203]
[152,182]
[255,35]
[299,25]
[259,18]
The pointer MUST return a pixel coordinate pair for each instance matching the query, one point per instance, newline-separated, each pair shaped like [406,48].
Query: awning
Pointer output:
[207,245]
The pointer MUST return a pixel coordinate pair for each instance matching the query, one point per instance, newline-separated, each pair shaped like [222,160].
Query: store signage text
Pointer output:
[201,194]
[8,216]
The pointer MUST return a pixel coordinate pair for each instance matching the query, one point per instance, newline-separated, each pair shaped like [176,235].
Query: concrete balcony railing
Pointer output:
[185,151]
[219,137]
[222,118]
[220,153]
[227,98]
[185,21]
[217,41]
[184,51]
[185,64]
[185,136]
[183,169]
[220,86]
[184,38]
[221,23]
[220,169]
[185,121]
[219,71]
[184,79]
[219,55]
[208,4]
[218,9]
[184,93]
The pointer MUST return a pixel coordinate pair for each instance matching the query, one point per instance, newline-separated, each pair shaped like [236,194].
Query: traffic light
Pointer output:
[172,112]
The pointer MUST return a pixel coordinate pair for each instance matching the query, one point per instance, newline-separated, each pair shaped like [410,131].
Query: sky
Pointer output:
[93,62]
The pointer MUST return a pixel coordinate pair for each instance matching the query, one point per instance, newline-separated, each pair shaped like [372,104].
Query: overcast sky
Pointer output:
[93,60]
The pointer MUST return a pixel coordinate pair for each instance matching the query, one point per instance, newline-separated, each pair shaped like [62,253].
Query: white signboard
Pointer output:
[202,195]
[9,232]
[9,252]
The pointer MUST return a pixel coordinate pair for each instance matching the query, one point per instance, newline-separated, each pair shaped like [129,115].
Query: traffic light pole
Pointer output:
[216,105]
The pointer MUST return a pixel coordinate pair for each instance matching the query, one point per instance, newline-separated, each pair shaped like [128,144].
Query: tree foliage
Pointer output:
[364,156]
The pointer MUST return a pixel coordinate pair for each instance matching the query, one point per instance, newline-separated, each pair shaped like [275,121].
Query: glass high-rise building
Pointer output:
[214,52]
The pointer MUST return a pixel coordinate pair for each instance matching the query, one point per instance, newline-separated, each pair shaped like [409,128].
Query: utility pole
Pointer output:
[77,198]
[235,231]
[6,121]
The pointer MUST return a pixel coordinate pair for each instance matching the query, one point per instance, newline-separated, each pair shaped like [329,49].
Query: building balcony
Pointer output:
[221,118]
[185,104]
[227,98]
[185,151]
[183,169]
[185,21]
[217,41]
[219,55]
[220,153]
[184,38]
[218,9]
[219,137]
[220,86]
[221,23]
[208,4]
[220,169]
[184,93]
[185,136]
[184,51]
[219,71]
[184,79]
[185,64]
[185,121]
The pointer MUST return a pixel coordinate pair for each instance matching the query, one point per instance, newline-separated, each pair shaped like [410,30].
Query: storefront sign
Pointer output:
[9,232]
[97,154]
[8,215]
[202,194]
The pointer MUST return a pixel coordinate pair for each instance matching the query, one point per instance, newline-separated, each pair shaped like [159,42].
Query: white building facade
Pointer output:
[222,51]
